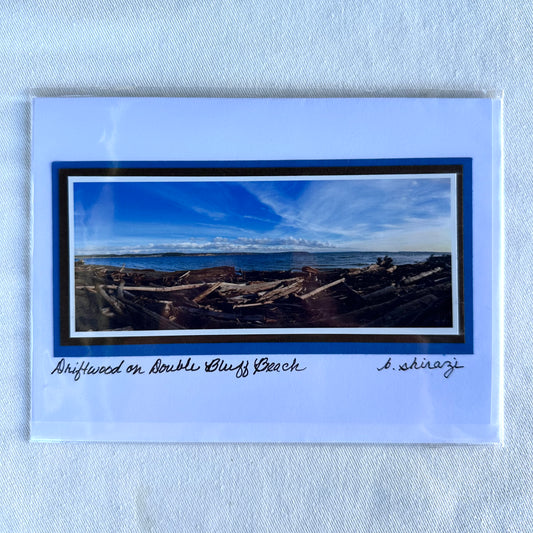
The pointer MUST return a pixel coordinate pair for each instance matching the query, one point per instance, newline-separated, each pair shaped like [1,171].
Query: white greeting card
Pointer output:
[313,270]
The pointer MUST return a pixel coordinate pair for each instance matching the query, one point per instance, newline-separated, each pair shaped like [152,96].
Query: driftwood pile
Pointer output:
[381,295]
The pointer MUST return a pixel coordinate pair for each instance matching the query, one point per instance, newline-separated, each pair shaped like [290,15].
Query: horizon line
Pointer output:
[235,252]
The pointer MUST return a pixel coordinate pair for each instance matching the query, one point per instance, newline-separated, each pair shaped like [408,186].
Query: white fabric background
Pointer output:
[281,48]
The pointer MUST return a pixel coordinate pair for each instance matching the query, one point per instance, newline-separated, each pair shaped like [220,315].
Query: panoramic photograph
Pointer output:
[165,254]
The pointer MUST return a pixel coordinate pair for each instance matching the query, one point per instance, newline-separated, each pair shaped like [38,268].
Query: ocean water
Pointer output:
[261,262]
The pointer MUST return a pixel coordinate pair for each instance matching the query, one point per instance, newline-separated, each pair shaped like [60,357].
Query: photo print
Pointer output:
[262,253]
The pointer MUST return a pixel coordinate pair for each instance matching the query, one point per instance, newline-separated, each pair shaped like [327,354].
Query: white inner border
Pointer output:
[273,331]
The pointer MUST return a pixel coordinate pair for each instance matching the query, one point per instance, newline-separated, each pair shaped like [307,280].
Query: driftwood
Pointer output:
[120,304]
[281,292]
[231,290]
[120,290]
[146,289]
[117,305]
[160,320]
[320,289]
[415,295]
[381,293]
[412,279]
[243,306]
[221,285]
[207,292]
[400,315]
[274,295]
[254,287]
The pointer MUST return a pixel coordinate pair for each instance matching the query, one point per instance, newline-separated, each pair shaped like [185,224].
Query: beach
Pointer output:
[381,295]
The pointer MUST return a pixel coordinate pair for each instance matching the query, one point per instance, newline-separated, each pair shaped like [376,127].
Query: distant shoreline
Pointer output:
[214,254]
[182,254]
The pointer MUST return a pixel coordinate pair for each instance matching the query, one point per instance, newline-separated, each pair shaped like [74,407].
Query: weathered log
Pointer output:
[373,268]
[147,289]
[281,292]
[310,271]
[207,292]
[352,295]
[183,276]
[255,304]
[412,279]
[161,320]
[120,290]
[320,289]
[113,302]
[254,287]
[404,313]
[222,273]
[380,293]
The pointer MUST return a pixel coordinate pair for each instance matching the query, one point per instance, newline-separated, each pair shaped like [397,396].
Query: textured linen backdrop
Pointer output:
[280,48]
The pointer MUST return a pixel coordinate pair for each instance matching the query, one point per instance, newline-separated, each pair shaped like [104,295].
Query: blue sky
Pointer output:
[386,214]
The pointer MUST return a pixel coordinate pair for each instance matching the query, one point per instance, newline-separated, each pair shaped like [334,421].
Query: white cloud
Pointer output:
[406,213]
[218,245]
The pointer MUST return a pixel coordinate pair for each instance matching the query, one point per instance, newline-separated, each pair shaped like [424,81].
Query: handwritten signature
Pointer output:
[448,365]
